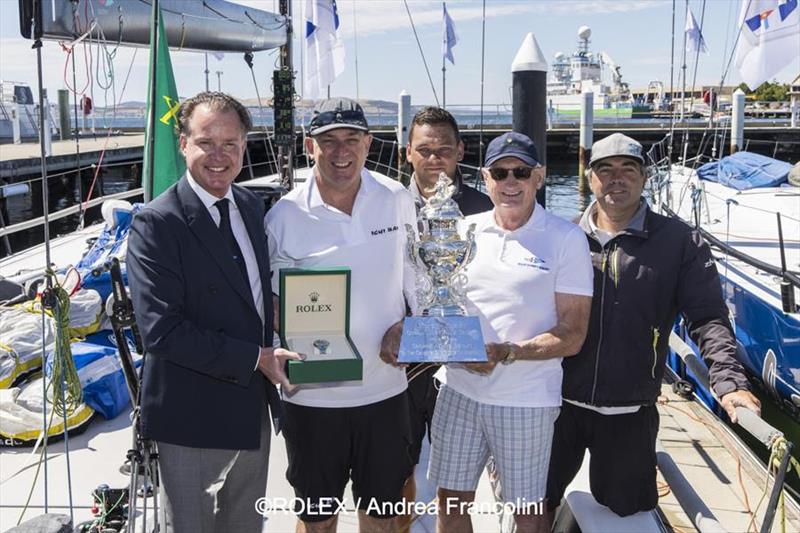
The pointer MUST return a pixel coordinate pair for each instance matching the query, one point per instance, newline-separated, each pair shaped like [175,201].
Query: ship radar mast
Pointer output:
[584,32]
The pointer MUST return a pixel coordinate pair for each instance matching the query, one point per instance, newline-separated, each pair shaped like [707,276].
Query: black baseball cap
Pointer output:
[337,113]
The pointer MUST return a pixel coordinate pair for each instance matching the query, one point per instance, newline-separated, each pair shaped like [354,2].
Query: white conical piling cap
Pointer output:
[529,56]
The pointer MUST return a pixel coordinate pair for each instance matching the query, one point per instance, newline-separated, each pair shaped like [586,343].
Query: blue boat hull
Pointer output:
[768,342]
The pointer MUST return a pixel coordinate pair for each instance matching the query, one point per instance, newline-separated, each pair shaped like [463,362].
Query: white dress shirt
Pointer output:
[242,239]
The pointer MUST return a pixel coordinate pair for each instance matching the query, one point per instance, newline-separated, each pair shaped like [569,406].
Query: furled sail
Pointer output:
[204,25]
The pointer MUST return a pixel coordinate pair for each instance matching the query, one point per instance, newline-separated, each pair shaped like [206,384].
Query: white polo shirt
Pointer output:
[511,287]
[303,231]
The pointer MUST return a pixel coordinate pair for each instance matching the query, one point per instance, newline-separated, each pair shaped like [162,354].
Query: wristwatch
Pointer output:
[511,355]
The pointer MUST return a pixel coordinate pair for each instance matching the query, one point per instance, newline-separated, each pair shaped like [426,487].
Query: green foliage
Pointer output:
[768,92]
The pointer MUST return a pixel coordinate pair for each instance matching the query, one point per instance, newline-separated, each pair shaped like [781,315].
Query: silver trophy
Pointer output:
[442,332]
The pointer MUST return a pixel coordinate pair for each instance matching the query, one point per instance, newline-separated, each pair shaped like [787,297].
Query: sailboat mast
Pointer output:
[283,97]
[444,64]
[671,90]
[151,111]
[36,33]
[683,70]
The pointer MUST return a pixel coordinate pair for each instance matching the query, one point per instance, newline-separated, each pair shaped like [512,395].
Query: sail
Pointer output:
[191,24]
[163,135]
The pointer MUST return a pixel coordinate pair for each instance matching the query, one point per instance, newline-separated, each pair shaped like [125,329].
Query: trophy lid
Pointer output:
[441,206]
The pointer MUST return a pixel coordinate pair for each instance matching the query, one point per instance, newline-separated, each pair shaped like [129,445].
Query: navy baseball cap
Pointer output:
[337,113]
[512,144]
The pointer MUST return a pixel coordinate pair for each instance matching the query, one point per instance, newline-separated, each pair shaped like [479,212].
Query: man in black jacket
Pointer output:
[647,269]
[434,146]
[198,266]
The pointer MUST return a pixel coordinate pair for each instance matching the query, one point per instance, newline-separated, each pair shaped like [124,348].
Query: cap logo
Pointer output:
[338,117]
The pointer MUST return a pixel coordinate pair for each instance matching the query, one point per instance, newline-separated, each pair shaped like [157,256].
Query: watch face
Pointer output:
[511,355]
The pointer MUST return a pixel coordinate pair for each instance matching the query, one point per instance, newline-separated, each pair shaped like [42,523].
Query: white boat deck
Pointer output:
[65,250]
[747,221]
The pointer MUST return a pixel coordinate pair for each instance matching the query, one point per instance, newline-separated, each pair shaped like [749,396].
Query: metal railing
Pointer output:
[749,422]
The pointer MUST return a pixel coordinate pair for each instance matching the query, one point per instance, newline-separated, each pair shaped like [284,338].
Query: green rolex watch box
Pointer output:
[315,321]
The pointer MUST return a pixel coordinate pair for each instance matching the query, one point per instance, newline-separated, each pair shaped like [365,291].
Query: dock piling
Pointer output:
[64,128]
[403,125]
[737,121]
[529,97]
[16,130]
[586,137]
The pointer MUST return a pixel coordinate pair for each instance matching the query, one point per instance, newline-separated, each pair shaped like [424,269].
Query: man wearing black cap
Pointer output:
[530,283]
[647,268]
[344,216]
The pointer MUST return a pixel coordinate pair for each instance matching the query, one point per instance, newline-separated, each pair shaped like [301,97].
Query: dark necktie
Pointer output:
[230,240]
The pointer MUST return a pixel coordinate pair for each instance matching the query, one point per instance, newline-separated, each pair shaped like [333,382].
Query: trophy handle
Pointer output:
[470,238]
[411,244]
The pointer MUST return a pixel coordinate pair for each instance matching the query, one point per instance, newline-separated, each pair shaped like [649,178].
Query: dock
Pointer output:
[21,162]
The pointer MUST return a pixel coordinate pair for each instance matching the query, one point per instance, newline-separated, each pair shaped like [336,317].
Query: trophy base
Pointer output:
[442,339]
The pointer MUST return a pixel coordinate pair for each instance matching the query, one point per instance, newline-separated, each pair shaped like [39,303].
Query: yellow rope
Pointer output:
[777,451]
[67,394]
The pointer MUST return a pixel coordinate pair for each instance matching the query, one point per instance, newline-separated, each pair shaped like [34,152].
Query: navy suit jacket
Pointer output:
[199,324]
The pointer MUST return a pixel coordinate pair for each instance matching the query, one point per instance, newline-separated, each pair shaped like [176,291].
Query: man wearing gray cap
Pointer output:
[530,283]
[647,269]
[344,216]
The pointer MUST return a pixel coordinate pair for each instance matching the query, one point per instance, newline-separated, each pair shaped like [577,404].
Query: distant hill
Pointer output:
[370,106]
[133,104]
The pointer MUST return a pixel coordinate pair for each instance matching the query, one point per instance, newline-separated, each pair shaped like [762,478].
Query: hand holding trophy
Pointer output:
[443,332]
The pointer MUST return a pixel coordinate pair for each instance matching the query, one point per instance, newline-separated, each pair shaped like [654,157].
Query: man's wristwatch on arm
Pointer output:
[511,354]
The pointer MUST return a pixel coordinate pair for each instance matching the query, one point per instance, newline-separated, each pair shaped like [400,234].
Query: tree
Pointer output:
[767,92]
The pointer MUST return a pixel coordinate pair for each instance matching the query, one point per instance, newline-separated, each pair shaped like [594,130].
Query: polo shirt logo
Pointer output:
[535,262]
[390,229]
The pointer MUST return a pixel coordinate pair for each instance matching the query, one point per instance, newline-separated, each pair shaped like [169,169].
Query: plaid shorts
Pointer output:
[465,433]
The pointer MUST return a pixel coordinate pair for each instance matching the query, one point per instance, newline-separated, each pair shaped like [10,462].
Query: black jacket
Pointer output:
[643,277]
[199,324]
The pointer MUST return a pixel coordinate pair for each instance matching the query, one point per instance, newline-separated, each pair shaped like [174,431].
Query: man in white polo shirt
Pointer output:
[345,216]
[531,285]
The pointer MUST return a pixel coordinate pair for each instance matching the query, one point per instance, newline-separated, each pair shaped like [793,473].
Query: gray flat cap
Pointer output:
[616,145]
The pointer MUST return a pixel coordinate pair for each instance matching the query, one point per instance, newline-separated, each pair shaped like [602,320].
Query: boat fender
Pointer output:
[115,212]
[794,175]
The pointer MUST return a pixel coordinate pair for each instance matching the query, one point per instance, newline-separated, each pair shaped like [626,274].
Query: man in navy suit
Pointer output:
[198,266]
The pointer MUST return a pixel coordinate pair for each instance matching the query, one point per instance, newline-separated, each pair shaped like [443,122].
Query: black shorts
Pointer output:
[622,468]
[422,391]
[328,446]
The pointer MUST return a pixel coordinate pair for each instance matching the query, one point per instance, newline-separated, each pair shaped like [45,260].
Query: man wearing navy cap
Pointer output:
[344,216]
[530,284]
[647,268]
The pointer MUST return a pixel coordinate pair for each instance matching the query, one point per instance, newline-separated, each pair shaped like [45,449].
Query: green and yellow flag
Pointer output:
[167,164]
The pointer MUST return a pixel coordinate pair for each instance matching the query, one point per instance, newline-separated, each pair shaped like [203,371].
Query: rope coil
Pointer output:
[65,385]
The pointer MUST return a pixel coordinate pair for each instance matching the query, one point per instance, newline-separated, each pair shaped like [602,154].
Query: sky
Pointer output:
[636,34]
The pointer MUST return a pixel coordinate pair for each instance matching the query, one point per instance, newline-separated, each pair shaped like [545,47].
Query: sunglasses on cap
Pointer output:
[348,116]
[520,173]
